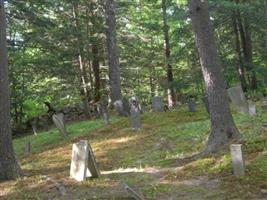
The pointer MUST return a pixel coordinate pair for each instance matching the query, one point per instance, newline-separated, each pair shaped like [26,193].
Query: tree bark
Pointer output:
[171,92]
[240,65]
[223,128]
[83,76]
[96,70]
[114,70]
[9,169]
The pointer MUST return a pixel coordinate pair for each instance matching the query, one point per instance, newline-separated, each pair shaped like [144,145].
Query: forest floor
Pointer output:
[150,161]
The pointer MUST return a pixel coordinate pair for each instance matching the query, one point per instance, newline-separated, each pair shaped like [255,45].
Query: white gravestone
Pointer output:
[58,120]
[83,163]
[135,113]
[157,105]
[252,108]
[238,98]
[237,159]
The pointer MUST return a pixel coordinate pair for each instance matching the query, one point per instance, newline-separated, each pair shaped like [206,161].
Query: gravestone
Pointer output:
[264,105]
[252,108]
[122,107]
[135,113]
[237,159]
[58,120]
[157,105]
[133,193]
[206,103]
[27,148]
[238,98]
[192,105]
[83,162]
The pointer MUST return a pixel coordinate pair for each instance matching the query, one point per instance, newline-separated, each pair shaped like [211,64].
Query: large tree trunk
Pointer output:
[240,65]
[223,128]
[83,75]
[9,169]
[246,41]
[96,69]
[171,92]
[114,70]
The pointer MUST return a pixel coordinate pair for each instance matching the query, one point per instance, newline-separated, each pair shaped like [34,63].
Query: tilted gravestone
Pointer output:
[135,113]
[238,98]
[83,162]
[252,108]
[237,159]
[122,107]
[58,120]
[157,105]
[27,148]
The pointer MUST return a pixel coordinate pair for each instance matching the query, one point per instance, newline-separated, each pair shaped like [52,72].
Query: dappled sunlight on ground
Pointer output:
[147,160]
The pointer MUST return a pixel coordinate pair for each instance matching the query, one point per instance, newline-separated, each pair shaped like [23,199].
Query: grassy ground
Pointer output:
[148,160]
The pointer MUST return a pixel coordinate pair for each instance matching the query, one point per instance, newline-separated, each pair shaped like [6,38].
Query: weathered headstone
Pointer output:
[83,162]
[192,105]
[237,159]
[133,193]
[58,120]
[122,107]
[27,148]
[238,98]
[135,113]
[264,105]
[157,105]
[252,108]
[206,103]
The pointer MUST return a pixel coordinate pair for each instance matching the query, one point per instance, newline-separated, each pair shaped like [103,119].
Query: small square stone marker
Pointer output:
[237,160]
[83,162]
[27,149]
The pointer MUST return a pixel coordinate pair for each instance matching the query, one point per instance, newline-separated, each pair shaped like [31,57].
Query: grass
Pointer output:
[145,160]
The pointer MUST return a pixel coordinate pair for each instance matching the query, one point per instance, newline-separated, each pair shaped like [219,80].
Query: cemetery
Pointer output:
[113,161]
[141,100]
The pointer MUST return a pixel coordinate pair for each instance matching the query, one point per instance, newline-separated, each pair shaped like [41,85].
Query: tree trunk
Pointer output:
[96,69]
[240,65]
[171,92]
[114,70]
[9,169]
[245,35]
[222,125]
[83,76]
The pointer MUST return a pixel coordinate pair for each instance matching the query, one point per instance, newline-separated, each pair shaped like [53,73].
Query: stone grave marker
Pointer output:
[122,107]
[83,162]
[133,193]
[264,105]
[58,120]
[157,105]
[237,159]
[252,108]
[238,98]
[192,105]
[135,113]
[27,148]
